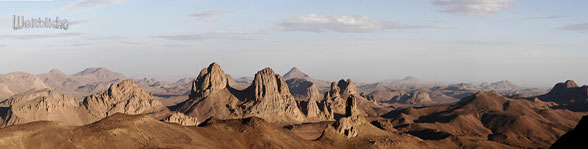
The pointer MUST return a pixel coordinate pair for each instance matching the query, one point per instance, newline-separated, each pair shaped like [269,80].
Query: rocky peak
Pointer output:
[313,93]
[571,84]
[334,92]
[270,99]
[210,80]
[340,91]
[56,71]
[300,88]
[315,108]
[420,97]
[500,85]
[564,85]
[125,89]
[347,86]
[484,100]
[266,83]
[295,73]
[569,95]
[99,74]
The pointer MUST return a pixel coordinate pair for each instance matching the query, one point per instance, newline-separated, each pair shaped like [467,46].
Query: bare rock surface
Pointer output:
[124,97]
[349,124]
[269,97]
[42,105]
[316,109]
[211,96]
[182,119]
[340,91]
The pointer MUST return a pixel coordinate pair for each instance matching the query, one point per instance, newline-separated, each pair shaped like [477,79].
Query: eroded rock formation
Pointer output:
[42,105]
[349,124]
[269,98]
[124,97]
[182,119]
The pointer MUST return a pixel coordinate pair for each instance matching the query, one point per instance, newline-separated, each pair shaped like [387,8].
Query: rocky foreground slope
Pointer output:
[574,138]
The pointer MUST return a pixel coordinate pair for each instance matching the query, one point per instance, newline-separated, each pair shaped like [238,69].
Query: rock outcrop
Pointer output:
[348,125]
[42,105]
[419,97]
[209,81]
[211,96]
[315,108]
[124,97]
[340,91]
[182,119]
[269,98]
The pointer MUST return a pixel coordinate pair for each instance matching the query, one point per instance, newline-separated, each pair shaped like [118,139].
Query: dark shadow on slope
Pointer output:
[429,134]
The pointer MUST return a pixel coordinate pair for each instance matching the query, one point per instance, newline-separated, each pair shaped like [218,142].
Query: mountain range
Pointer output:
[97,107]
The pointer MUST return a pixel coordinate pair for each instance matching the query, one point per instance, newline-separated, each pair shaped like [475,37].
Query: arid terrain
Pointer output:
[98,108]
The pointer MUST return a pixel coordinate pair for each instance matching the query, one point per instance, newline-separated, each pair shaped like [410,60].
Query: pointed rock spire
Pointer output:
[270,98]
[210,80]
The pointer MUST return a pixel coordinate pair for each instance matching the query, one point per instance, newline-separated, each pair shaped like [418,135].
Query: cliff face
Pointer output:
[269,98]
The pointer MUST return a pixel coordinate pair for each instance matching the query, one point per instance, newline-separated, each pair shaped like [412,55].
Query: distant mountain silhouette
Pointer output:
[568,95]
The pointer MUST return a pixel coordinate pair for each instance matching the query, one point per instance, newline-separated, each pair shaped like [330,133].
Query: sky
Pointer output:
[532,43]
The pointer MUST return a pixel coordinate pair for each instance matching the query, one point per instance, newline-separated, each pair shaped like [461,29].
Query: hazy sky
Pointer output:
[529,42]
